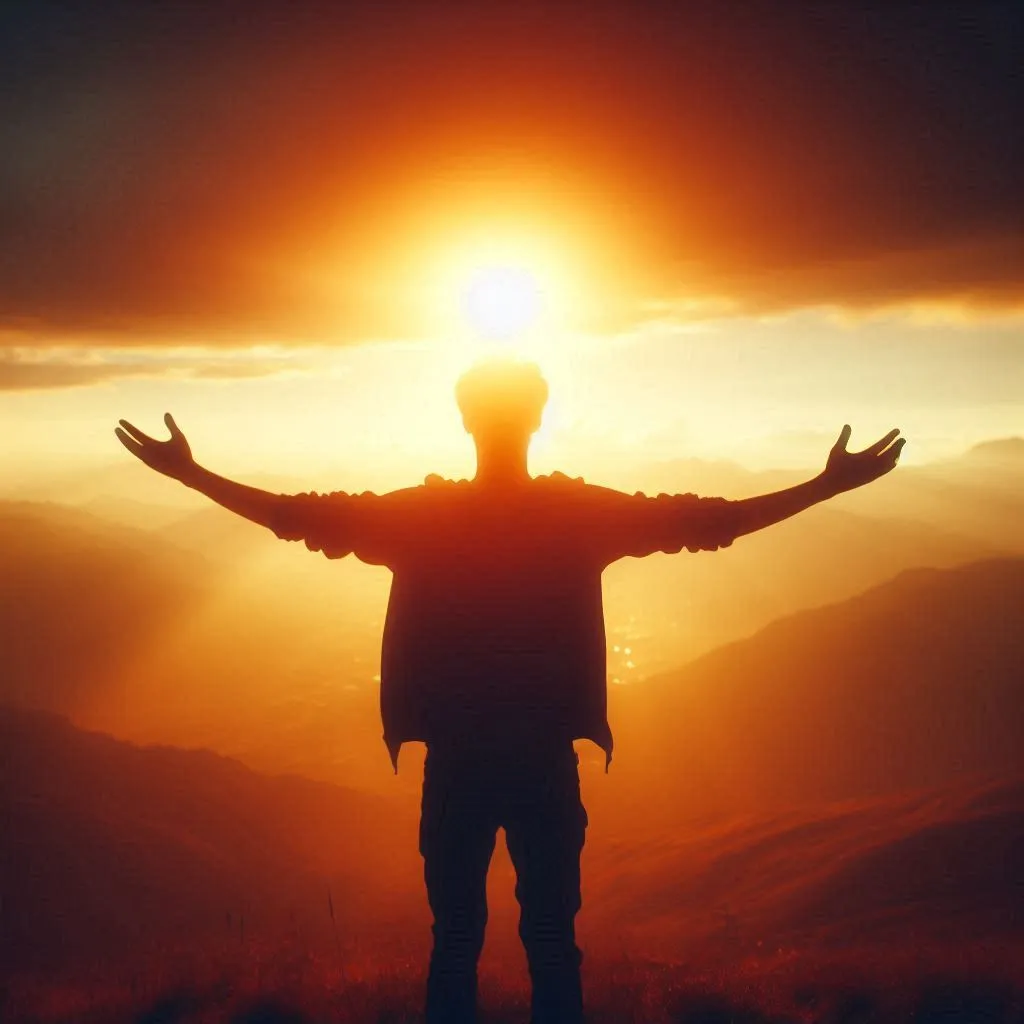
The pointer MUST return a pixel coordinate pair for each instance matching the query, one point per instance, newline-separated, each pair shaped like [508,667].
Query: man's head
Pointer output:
[501,401]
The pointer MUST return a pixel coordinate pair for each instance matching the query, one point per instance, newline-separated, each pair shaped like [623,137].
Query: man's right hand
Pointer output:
[173,458]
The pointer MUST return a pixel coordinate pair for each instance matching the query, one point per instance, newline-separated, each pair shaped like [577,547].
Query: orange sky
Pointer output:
[749,225]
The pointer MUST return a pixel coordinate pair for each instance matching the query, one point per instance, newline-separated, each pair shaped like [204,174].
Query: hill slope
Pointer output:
[918,682]
[935,867]
[111,850]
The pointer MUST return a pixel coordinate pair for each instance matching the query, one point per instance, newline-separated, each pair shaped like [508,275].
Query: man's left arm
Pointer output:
[844,471]
[637,525]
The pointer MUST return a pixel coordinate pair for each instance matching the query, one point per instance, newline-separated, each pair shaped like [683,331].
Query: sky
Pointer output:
[744,225]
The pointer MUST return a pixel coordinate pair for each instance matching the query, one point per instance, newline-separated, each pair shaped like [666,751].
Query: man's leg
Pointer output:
[545,831]
[457,832]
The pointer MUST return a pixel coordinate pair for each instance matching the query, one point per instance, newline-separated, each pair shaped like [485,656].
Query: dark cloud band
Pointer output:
[167,169]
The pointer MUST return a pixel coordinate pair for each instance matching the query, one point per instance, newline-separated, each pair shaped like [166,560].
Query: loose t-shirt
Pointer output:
[495,626]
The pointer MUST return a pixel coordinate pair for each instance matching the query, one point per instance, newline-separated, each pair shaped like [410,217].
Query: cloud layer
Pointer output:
[273,173]
[39,367]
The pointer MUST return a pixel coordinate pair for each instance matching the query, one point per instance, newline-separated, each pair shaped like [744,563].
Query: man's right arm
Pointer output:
[258,506]
[373,526]
[173,458]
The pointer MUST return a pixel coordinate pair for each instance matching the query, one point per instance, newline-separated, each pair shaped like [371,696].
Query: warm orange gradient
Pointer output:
[722,231]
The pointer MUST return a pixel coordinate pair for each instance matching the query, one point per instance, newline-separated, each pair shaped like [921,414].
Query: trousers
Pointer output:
[534,794]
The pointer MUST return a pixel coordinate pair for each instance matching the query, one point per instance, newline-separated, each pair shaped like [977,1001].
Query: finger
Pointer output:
[891,455]
[881,444]
[137,434]
[844,436]
[129,442]
[172,426]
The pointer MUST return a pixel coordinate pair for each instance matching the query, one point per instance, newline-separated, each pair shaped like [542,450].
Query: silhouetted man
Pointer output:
[494,651]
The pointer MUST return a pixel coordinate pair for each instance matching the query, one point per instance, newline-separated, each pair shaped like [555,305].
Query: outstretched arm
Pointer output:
[638,525]
[173,458]
[843,471]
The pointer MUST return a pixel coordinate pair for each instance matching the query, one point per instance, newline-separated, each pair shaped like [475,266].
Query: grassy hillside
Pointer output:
[109,848]
[159,884]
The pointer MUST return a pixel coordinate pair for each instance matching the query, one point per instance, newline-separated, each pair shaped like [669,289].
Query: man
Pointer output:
[494,651]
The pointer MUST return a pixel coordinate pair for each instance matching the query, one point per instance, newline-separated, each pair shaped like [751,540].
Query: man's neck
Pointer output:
[501,468]
[501,476]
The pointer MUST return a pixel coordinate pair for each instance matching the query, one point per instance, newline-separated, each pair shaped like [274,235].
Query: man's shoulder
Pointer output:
[436,492]
[434,482]
[561,481]
[579,490]
[433,485]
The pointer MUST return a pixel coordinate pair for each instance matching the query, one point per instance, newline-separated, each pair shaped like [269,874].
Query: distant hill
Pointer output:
[129,631]
[677,607]
[978,495]
[108,848]
[1006,449]
[79,597]
[918,682]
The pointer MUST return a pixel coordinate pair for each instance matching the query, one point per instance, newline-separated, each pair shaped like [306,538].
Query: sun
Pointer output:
[492,289]
[501,303]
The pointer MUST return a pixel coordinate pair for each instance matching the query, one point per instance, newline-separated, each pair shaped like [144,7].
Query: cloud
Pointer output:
[979,275]
[29,368]
[175,170]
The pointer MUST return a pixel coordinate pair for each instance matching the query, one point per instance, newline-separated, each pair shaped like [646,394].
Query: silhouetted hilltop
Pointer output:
[108,848]
[1006,449]
[918,682]
[978,495]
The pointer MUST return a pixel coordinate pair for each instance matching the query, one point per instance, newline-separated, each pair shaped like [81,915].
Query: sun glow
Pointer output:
[502,302]
[503,290]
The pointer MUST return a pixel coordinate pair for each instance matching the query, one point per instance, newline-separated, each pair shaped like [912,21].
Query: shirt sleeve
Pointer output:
[638,524]
[376,528]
